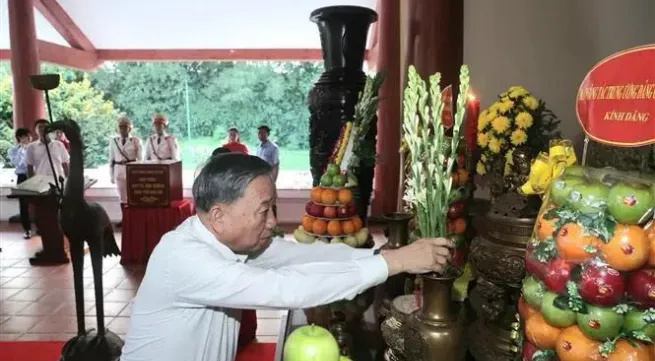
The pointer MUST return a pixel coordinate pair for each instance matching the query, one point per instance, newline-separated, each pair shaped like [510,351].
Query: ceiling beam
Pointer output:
[208,54]
[64,24]
[70,57]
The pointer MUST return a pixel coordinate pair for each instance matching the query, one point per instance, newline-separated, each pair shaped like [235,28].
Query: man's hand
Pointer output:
[422,256]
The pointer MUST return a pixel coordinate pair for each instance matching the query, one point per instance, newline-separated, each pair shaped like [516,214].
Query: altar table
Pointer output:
[143,228]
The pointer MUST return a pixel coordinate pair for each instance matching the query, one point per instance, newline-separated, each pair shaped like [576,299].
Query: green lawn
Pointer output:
[196,151]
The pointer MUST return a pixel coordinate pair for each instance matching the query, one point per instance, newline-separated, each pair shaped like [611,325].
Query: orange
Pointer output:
[628,249]
[650,233]
[455,178]
[358,223]
[315,195]
[462,176]
[571,243]
[344,196]
[545,227]
[328,196]
[540,333]
[624,351]
[319,226]
[457,226]
[334,228]
[526,311]
[348,227]
[573,345]
[330,212]
[307,222]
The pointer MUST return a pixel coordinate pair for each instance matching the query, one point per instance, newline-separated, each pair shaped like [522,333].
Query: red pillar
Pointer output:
[28,102]
[389,108]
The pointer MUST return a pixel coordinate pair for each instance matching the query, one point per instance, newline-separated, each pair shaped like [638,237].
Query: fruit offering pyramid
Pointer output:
[457,211]
[589,292]
[331,215]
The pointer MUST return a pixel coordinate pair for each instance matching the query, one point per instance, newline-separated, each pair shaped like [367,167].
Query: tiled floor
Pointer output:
[38,303]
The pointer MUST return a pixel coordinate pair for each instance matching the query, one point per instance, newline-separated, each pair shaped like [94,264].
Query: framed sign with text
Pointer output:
[616,100]
[154,183]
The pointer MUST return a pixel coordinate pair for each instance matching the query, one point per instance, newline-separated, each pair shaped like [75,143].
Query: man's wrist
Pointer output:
[394,264]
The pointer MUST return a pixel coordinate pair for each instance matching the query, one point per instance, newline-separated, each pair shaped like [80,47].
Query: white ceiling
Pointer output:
[190,24]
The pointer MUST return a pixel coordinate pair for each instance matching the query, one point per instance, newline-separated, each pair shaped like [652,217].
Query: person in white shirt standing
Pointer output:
[225,259]
[36,155]
[123,149]
[161,145]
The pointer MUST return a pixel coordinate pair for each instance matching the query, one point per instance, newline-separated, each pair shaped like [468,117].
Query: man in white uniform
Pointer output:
[123,149]
[224,259]
[36,155]
[161,145]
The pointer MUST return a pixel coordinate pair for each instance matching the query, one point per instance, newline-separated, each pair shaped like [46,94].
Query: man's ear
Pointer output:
[217,213]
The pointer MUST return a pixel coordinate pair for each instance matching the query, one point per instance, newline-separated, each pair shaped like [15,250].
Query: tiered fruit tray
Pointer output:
[590,289]
[331,216]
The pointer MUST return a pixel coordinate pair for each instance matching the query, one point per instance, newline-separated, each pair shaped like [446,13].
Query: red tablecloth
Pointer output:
[143,228]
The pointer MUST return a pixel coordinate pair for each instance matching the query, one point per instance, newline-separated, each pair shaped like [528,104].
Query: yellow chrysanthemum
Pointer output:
[500,124]
[483,139]
[518,137]
[508,156]
[483,120]
[517,88]
[483,157]
[481,168]
[494,145]
[531,102]
[523,120]
[505,106]
[517,91]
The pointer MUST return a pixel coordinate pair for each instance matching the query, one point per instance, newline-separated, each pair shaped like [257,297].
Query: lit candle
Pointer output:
[471,121]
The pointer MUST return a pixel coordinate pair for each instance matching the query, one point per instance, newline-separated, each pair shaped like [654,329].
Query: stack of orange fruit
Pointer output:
[589,293]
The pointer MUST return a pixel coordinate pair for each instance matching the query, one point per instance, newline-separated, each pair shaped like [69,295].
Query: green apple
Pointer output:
[338,180]
[311,342]
[323,239]
[350,240]
[332,169]
[326,180]
[575,170]
[362,236]
[562,187]
[554,315]
[634,321]
[533,292]
[600,323]
[336,240]
[302,236]
[628,203]
[589,197]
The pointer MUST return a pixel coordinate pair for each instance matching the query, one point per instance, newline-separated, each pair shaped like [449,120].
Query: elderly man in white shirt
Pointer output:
[36,155]
[225,259]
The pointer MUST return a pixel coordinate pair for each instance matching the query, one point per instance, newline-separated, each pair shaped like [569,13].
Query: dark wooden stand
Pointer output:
[47,222]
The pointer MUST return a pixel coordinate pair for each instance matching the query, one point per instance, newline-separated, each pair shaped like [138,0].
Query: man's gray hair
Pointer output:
[225,178]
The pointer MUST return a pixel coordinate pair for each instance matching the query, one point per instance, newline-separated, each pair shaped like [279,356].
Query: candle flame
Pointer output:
[471,95]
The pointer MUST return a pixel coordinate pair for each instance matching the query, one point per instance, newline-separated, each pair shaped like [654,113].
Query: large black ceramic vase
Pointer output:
[332,100]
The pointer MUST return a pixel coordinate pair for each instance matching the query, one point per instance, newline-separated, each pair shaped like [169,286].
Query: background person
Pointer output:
[17,155]
[234,142]
[161,145]
[36,156]
[124,148]
[269,152]
[225,259]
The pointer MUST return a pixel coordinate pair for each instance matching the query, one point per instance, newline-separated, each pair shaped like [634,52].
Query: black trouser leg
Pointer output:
[23,206]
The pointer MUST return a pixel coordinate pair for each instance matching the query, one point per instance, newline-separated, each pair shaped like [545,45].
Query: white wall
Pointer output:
[549,45]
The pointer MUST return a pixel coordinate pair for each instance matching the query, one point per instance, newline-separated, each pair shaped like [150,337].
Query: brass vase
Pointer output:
[436,331]
[397,233]
[393,327]
[497,255]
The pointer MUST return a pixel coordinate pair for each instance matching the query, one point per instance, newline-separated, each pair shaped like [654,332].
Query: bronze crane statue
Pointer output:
[84,221]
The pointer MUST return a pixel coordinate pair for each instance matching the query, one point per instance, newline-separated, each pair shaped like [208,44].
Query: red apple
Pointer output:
[459,256]
[558,272]
[533,265]
[352,208]
[308,207]
[601,285]
[343,212]
[456,210]
[316,210]
[641,287]
[528,350]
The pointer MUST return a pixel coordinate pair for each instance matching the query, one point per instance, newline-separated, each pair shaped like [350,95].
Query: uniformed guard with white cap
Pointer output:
[161,145]
[123,149]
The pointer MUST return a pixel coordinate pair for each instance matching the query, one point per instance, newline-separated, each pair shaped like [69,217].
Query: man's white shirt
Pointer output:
[118,152]
[187,307]
[162,147]
[37,156]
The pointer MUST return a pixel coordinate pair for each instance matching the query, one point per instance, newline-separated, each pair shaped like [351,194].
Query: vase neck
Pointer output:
[437,304]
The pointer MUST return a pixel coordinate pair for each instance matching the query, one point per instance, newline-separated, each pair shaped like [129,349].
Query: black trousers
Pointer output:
[23,205]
